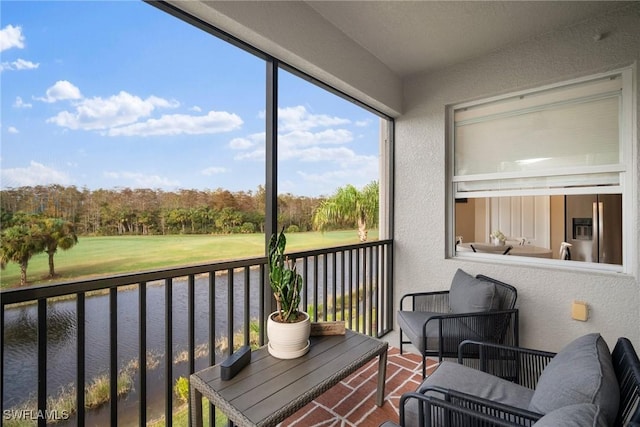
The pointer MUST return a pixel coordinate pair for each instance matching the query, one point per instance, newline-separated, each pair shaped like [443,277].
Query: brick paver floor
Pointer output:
[352,401]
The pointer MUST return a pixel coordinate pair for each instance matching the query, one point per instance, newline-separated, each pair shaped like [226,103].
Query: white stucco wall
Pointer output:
[544,294]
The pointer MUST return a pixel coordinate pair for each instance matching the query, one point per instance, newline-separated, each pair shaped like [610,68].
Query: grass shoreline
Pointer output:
[102,256]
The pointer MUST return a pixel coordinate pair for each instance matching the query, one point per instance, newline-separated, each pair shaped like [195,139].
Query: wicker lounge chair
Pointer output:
[581,385]
[480,308]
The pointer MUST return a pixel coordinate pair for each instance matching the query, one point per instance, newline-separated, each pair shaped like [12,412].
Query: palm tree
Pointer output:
[57,233]
[348,206]
[19,243]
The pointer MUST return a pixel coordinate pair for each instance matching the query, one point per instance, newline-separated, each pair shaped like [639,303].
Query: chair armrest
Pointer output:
[437,301]
[477,314]
[627,367]
[517,364]
[498,326]
[450,407]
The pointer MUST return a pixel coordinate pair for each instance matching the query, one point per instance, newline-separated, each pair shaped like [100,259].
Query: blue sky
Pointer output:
[114,94]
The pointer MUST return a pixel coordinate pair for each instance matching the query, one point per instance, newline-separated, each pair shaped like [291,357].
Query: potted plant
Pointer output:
[498,238]
[288,327]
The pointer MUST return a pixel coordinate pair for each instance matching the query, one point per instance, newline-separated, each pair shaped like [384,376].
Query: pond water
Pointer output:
[20,346]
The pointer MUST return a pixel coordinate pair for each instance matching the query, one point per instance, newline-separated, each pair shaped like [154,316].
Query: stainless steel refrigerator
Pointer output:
[594,227]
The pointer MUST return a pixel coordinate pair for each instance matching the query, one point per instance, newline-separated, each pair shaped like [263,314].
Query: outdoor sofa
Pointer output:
[582,385]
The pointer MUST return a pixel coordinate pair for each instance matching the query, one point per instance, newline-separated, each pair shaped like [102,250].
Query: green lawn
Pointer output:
[97,256]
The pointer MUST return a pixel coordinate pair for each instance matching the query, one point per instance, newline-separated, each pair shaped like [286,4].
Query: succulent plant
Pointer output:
[286,283]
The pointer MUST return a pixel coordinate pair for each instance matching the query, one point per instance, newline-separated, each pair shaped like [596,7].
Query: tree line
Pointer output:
[47,218]
[126,211]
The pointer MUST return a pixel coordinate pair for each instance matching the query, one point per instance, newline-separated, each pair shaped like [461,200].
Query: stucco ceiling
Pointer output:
[419,36]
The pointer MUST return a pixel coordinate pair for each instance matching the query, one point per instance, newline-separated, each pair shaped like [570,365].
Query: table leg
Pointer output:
[382,374]
[196,407]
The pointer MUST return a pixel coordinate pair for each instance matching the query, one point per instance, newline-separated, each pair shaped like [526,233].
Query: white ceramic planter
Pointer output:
[497,242]
[288,340]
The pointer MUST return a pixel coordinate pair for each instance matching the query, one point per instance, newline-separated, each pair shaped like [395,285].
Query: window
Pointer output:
[547,170]
[327,145]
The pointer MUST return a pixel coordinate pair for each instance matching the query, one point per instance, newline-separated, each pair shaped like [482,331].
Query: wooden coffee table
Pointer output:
[268,390]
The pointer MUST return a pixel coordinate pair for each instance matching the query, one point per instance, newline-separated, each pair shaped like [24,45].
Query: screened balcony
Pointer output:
[398,68]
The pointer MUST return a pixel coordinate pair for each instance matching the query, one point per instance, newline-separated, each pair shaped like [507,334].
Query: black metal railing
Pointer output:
[182,319]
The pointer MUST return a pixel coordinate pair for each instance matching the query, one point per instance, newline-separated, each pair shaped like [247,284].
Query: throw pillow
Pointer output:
[470,295]
[582,372]
[580,415]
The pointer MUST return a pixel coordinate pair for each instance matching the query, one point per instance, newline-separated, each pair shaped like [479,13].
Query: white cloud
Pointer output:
[298,118]
[125,114]
[117,110]
[214,170]
[19,65]
[240,144]
[325,182]
[141,180]
[34,174]
[299,141]
[196,109]
[363,123]
[300,145]
[319,154]
[330,177]
[258,154]
[306,138]
[356,169]
[21,104]
[23,64]
[62,90]
[256,139]
[341,165]
[11,37]
[177,124]
[12,129]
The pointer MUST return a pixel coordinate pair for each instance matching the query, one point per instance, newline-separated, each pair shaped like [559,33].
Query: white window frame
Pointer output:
[627,186]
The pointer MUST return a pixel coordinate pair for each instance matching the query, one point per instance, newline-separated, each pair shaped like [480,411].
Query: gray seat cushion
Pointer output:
[579,415]
[462,378]
[471,295]
[582,372]
[453,376]
[412,323]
